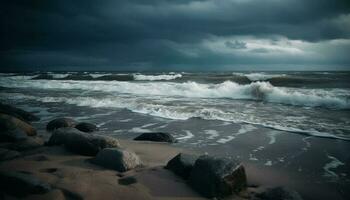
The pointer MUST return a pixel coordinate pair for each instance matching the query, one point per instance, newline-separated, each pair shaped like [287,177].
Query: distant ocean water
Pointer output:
[311,103]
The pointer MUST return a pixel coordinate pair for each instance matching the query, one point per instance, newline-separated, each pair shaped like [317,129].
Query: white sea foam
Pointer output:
[212,134]
[333,164]
[225,139]
[171,76]
[245,129]
[99,75]
[188,135]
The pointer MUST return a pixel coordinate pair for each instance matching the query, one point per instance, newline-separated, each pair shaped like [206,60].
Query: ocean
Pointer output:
[293,121]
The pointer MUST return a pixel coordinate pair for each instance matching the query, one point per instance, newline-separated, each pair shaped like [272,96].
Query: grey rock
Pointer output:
[217,177]
[6,154]
[80,142]
[13,129]
[18,113]
[182,164]
[21,184]
[117,159]
[156,137]
[60,123]
[86,127]
[277,193]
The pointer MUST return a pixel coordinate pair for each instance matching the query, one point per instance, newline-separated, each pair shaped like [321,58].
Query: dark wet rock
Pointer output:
[217,177]
[86,127]
[156,137]
[182,164]
[6,154]
[27,144]
[117,159]
[127,180]
[277,193]
[43,77]
[13,129]
[18,113]
[60,123]
[80,142]
[21,184]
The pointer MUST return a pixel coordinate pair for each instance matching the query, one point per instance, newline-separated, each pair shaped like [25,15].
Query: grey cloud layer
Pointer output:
[157,34]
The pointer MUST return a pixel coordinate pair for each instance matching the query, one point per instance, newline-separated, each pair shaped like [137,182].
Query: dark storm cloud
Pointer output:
[154,34]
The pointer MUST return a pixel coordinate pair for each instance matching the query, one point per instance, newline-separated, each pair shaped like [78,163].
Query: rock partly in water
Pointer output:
[217,177]
[18,113]
[182,164]
[6,154]
[278,193]
[21,184]
[117,159]
[80,142]
[27,144]
[156,137]
[60,123]
[13,129]
[86,127]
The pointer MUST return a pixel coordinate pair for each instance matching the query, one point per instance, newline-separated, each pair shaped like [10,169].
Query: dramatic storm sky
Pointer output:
[175,35]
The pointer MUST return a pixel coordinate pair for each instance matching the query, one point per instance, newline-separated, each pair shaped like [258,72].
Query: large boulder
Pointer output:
[217,177]
[117,159]
[60,123]
[12,128]
[278,193]
[86,127]
[80,142]
[21,184]
[156,137]
[182,164]
[6,154]
[18,113]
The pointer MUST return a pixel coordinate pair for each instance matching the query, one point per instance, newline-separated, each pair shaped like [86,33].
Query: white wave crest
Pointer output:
[259,91]
[141,77]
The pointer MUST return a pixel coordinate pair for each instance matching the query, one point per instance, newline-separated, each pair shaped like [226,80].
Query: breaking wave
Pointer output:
[258,91]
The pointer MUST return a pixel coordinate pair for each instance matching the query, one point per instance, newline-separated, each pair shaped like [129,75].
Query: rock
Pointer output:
[217,177]
[6,154]
[278,193]
[18,113]
[27,144]
[80,142]
[156,137]
[14,129]
[60,123]
[182,164]
[117,159]
[21,184]
[86,127]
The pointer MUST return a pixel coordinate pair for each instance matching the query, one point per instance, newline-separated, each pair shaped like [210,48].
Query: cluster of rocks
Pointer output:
[210,176]
[16,132]
[219,177]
